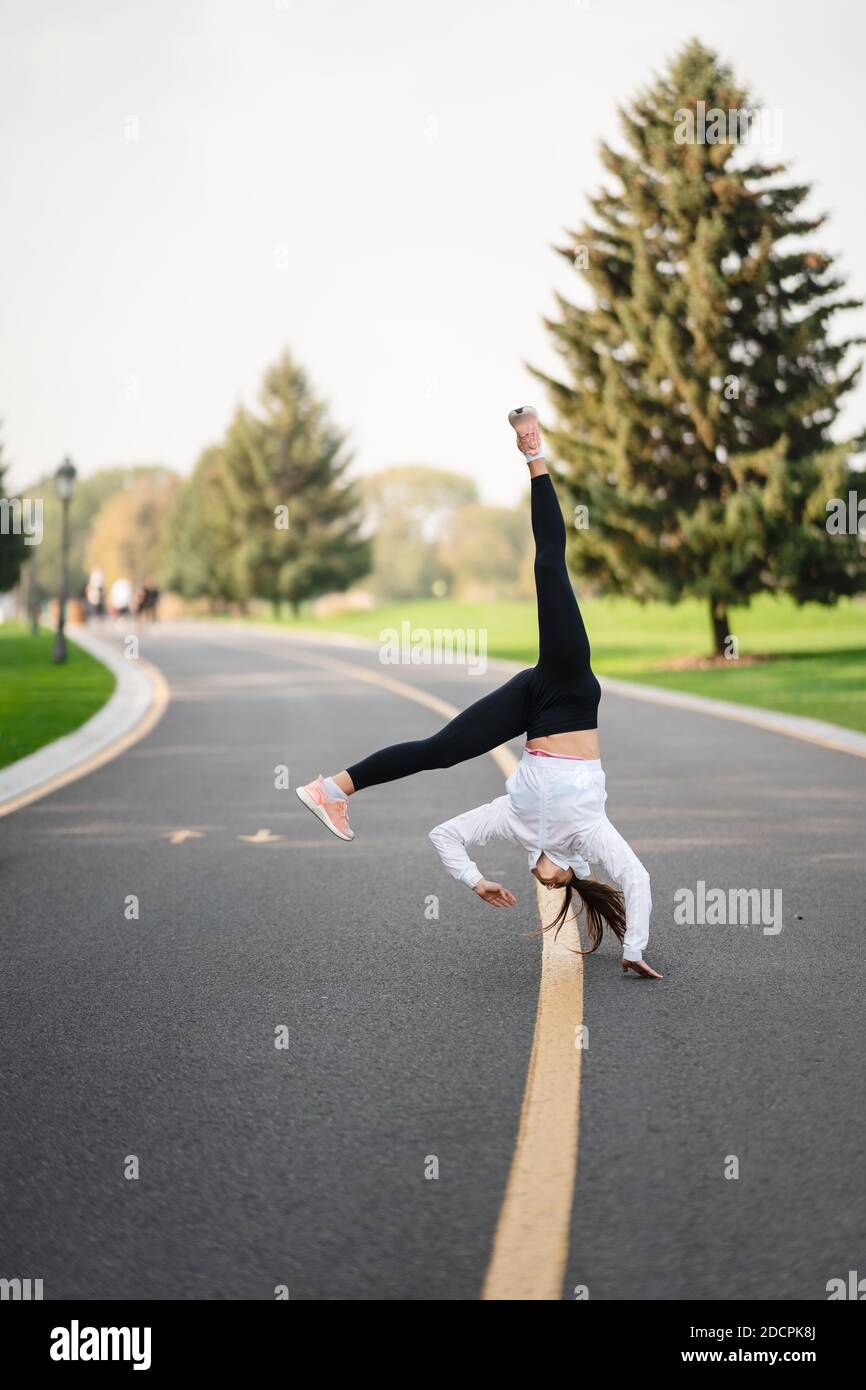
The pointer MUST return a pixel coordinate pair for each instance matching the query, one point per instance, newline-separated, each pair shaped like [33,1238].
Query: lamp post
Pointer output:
[64,483]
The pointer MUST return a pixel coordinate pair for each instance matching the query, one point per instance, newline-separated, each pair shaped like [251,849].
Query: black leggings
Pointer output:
[558,695]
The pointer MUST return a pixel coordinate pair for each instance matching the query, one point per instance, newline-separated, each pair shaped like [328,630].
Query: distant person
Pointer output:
[120,598]
[554,802]
[147,600]
[94,594]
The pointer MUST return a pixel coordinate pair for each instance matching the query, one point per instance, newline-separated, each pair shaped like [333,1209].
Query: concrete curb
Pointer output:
[826,735]
[834,736]
[138,702]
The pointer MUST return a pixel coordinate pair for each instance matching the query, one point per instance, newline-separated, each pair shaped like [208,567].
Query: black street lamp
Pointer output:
[64,483]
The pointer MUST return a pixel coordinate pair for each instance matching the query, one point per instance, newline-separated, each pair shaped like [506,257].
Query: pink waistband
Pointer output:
[569,757]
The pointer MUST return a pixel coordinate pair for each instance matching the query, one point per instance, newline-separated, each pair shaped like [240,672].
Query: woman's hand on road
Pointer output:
[494,893]
[640,967]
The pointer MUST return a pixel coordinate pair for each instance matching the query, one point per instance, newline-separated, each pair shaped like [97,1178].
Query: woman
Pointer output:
[554,802]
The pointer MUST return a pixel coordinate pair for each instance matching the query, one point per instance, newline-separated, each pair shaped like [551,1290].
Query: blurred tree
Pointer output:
[702,383]
[482,550]
[295,518]
[200,540]
[129,533]
[13,551]
[90,495]
[409,510]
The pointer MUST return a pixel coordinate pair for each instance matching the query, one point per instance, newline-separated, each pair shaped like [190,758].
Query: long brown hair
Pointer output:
[602,906]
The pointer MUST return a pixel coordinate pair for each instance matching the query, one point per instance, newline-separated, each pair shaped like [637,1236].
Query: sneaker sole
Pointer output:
[519,412]
[319,811]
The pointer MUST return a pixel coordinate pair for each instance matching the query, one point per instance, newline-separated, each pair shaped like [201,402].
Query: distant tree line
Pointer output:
[270,514]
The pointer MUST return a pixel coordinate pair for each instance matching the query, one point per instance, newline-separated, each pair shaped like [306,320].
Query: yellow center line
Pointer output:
[530,1246]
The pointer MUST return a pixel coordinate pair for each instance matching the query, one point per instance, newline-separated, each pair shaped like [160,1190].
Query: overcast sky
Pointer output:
[191,185]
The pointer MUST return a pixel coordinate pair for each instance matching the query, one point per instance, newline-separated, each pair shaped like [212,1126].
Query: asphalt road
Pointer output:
[409,1038]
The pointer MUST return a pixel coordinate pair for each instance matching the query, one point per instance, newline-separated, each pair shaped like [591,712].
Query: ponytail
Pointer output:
[602,906]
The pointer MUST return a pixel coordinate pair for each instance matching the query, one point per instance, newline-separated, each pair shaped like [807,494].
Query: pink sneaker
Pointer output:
[334,814]
[524,422]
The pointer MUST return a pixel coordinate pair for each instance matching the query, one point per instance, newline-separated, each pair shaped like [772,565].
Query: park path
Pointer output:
[409,1038]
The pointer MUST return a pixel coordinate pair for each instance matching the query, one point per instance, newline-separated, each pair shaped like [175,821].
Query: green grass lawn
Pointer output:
[819,665]
[38,700]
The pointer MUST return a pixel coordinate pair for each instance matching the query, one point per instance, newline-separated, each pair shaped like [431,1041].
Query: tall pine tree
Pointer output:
[269,512]
[703,381]
[201,538]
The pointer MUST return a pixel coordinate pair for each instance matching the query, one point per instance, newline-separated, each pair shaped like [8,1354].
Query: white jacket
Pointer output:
[554,806]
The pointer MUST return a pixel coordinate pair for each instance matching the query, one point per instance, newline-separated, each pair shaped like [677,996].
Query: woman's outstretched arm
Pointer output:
[476,827]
